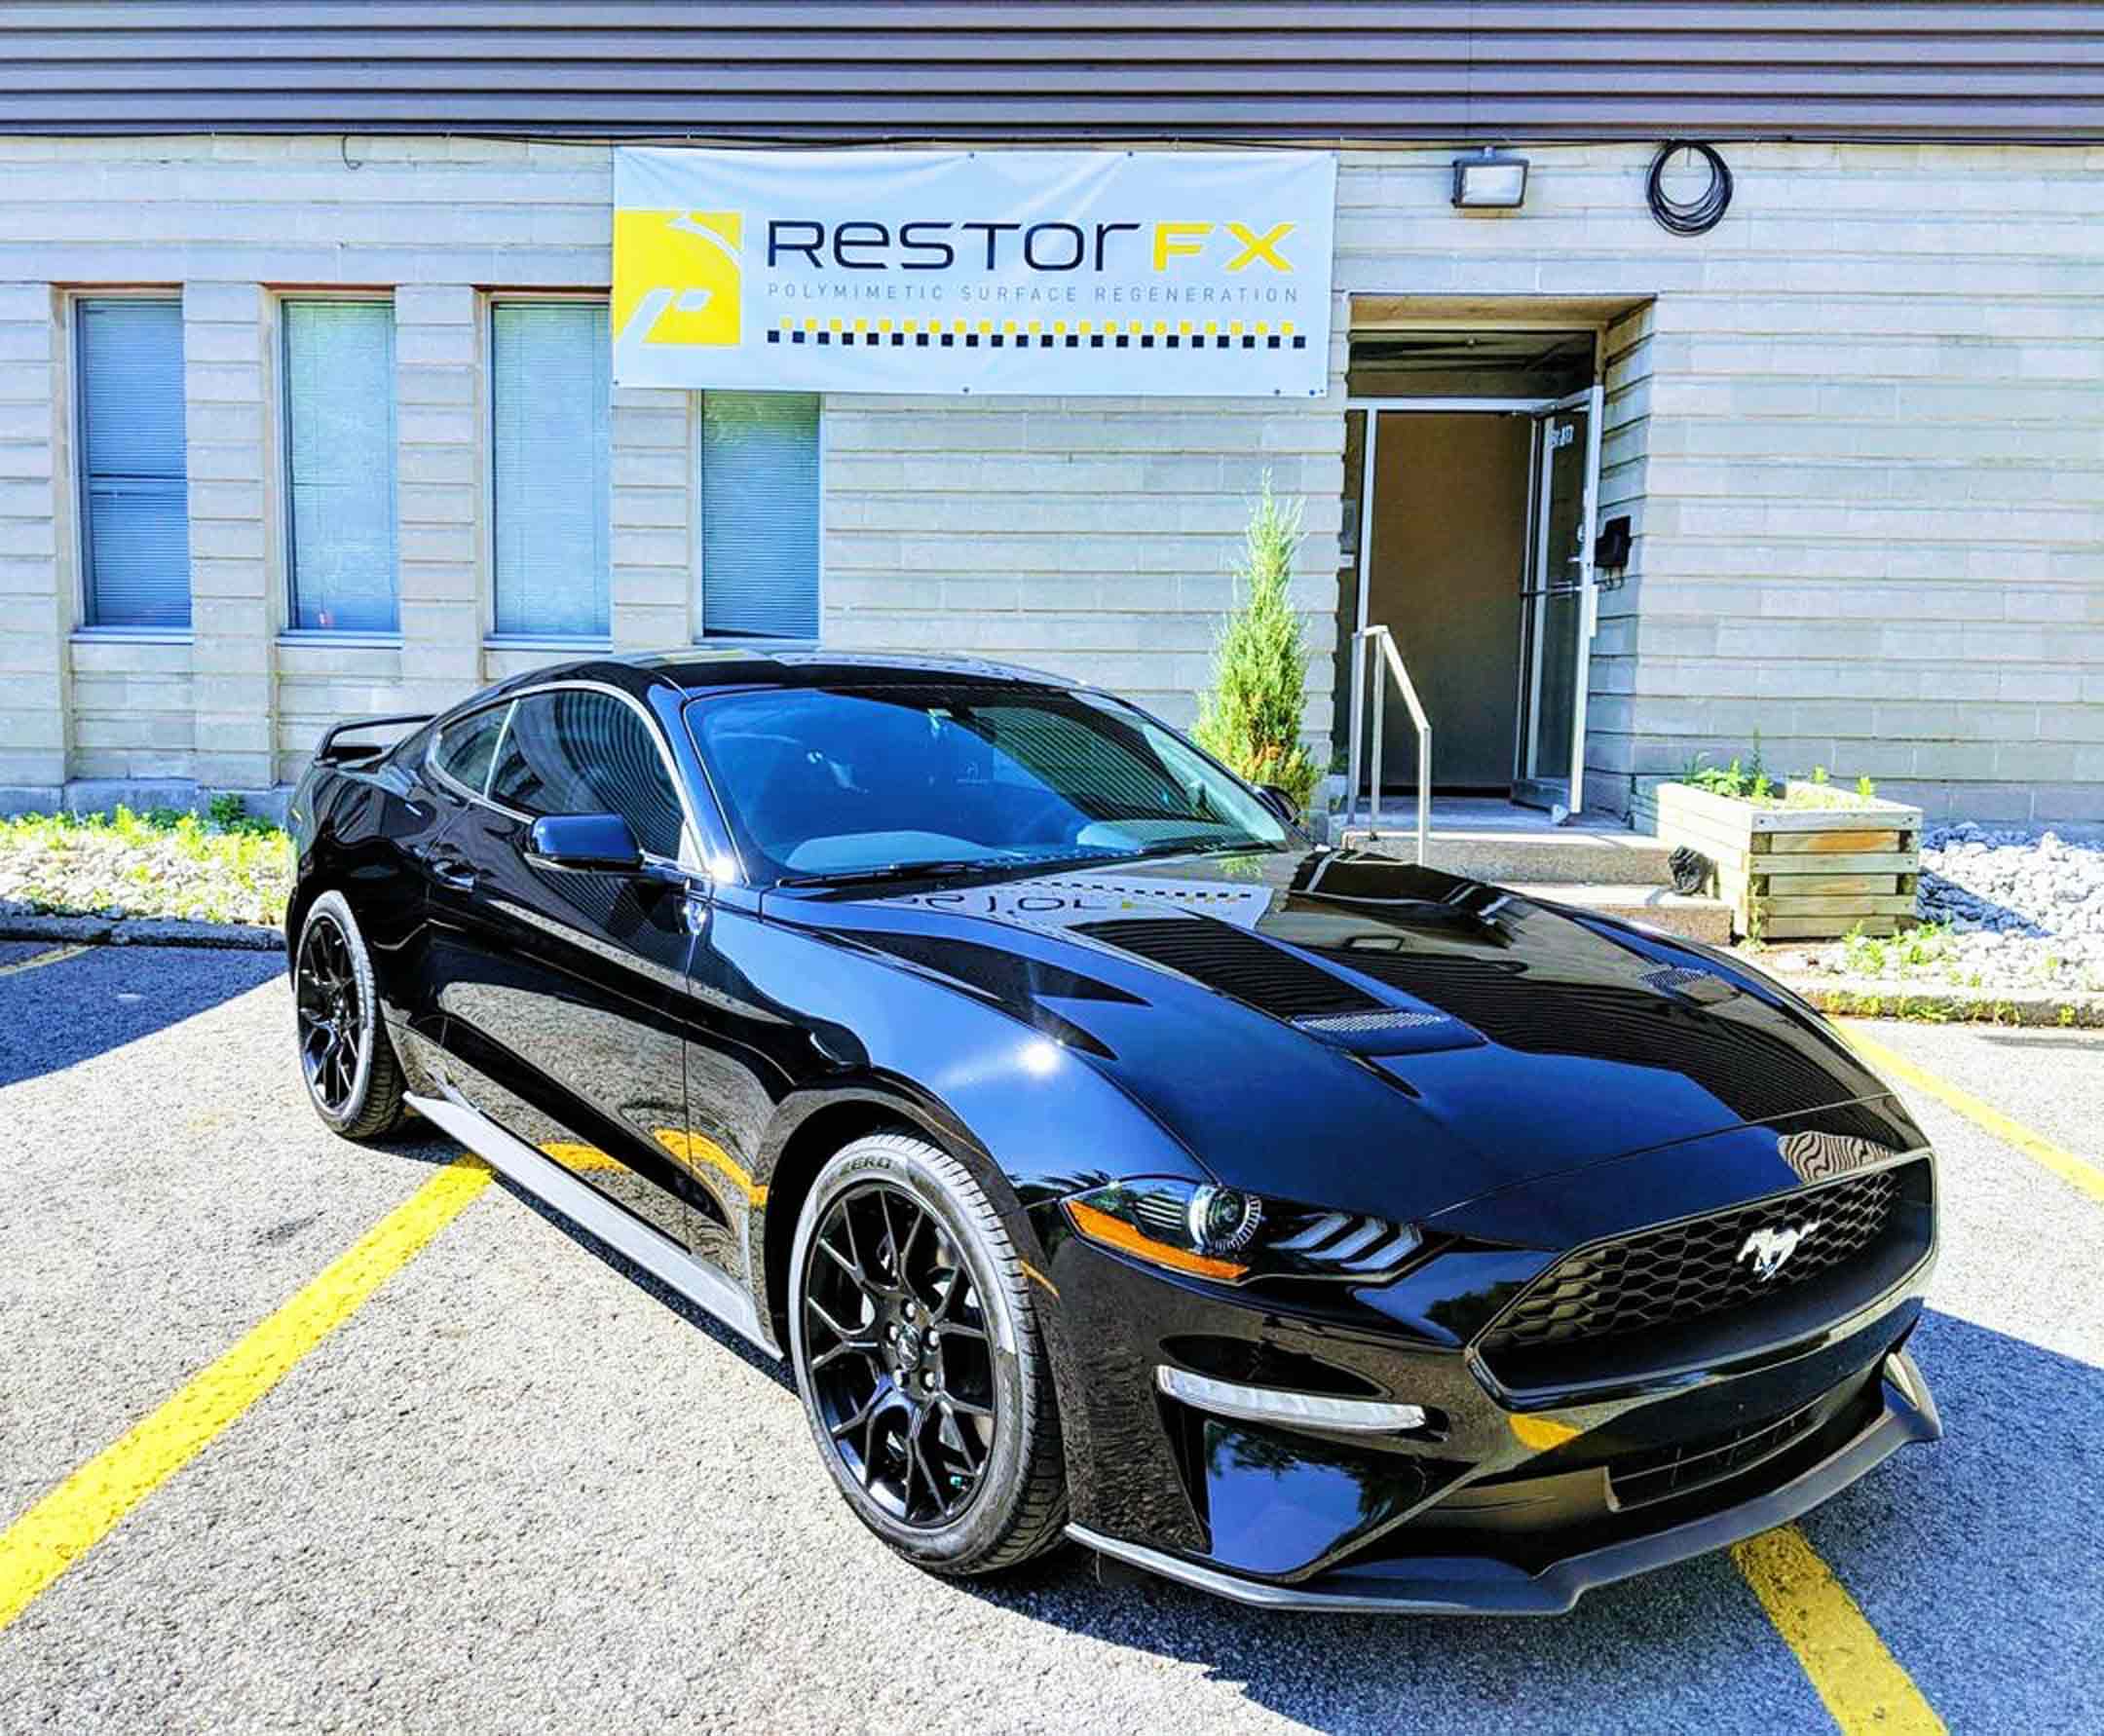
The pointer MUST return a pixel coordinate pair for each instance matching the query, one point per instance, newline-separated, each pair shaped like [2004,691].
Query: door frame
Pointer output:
[1537,410]
[1591,399]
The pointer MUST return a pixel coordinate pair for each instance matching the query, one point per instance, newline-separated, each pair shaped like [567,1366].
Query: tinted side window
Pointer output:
[466,747]
[571,752]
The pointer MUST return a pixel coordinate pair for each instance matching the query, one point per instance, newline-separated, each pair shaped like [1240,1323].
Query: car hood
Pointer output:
[1343,1029]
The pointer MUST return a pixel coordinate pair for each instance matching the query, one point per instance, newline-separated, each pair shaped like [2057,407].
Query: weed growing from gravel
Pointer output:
[226,866]
[1906,954]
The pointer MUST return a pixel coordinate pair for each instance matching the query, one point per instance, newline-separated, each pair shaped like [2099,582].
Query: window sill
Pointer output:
[540,642]
[345,641]
[118,635]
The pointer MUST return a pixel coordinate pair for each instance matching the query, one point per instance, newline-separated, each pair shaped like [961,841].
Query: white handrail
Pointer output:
[1362,641]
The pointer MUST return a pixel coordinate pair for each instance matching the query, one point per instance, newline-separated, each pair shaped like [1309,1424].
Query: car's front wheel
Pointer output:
[921,1364]
[352,1079]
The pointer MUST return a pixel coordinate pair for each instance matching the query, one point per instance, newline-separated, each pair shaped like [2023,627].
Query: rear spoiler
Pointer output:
[329,751]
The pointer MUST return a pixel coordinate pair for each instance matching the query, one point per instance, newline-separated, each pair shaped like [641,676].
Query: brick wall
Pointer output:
[1092,537]
[1859,426]
[35,686]
[237,702]
[1863,431]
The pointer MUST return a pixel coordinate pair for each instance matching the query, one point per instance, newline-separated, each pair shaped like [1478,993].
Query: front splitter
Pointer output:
[1474,1585]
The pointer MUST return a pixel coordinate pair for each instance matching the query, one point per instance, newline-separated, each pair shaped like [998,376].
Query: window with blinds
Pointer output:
[339,395]
[550,391]
[758,515]
[134,490]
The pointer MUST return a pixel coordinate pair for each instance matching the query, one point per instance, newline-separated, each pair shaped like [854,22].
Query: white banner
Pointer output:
[1184,274]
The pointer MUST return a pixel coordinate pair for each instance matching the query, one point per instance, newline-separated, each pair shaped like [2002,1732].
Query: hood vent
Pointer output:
[1759,1066]
[1372,1024]
[1235,962]
[1703,987]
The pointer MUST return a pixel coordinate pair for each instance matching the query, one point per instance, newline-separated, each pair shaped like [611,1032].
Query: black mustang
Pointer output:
[1302,1224]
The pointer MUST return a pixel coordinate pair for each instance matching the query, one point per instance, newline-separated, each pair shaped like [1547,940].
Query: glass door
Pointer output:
[1560,610]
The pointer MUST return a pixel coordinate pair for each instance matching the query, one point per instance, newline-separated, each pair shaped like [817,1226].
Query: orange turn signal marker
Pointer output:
[1543,1432]
[1114,1232]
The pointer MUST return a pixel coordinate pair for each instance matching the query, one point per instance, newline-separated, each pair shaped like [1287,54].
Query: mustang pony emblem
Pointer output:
[1769,1248]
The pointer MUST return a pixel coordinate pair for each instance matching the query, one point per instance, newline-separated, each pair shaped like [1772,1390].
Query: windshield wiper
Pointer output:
[894,871]
[1198,847]
[937,867]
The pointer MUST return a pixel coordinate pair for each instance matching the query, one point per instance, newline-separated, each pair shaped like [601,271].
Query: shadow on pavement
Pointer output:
[1977,1558]
[1974,1558]
[703,1322]
[59,1015]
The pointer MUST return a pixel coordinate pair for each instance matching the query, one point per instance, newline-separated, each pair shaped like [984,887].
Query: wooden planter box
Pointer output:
[1802,873]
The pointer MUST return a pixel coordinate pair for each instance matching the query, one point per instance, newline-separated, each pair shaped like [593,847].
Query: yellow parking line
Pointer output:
[65,1523]
[2063,1163]
[1862,1684]
[57,955]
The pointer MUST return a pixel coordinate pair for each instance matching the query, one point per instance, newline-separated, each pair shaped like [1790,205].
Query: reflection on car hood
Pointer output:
[1345,1029]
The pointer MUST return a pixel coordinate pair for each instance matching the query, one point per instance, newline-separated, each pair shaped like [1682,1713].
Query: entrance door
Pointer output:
[1448,566]
[1559,606]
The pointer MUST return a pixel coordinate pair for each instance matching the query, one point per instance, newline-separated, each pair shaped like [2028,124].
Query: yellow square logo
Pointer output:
[677,278]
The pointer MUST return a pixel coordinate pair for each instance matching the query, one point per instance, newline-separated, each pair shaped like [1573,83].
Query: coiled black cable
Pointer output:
[1695,217]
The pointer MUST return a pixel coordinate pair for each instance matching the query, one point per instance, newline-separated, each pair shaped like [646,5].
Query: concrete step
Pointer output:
[1564,855]
[1699,919]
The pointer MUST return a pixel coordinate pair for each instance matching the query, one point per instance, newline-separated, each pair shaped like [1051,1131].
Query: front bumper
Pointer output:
[1484,1585]
[1530,1483]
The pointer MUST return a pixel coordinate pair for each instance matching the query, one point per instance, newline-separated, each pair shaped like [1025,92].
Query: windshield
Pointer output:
[830,783]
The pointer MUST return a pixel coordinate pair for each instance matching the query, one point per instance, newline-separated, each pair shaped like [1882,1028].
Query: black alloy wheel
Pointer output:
[900,1357]
[352,1076]
[333,1018]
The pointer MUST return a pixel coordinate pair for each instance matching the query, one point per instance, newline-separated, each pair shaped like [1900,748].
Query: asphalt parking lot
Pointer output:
[510,1488]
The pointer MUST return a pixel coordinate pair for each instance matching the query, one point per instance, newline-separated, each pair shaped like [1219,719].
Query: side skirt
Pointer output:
[547,1180]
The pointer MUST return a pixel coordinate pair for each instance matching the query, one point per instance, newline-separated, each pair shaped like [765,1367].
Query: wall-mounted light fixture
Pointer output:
[1490,180]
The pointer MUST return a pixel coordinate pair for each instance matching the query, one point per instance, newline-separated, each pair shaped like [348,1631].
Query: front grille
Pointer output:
[1665,1471]
[1701,1266]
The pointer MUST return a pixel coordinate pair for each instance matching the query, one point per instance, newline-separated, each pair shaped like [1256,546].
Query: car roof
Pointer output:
[708,668]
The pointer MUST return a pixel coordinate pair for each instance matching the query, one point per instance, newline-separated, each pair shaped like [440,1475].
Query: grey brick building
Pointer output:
[1857,428]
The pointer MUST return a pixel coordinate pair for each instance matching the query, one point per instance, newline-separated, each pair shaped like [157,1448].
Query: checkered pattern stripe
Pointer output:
[1040,340]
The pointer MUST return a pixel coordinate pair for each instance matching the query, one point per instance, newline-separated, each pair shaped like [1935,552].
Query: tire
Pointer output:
[962,1271]
[353,1080]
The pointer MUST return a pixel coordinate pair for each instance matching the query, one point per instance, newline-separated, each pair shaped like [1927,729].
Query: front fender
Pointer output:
[1034,1118]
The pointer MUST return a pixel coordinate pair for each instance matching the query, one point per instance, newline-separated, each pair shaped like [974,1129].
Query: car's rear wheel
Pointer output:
[354,1080]
[921,1360]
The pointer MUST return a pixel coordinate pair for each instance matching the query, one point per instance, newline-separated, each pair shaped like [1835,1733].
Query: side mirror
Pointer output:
[1280,803]
[603,843]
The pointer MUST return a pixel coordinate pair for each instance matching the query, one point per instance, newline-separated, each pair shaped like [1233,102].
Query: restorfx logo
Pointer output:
[940,245]
[678,277]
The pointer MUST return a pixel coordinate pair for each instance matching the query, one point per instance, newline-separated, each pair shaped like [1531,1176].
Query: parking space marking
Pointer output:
[1861,1682]
[2063,1163]
[57,955]
[62,1526]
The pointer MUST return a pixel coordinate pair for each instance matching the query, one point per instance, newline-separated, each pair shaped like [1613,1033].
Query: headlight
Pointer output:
[1234,1237]
[1222,1220]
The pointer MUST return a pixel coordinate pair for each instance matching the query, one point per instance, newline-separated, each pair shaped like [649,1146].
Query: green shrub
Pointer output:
[1746,779]
[1250,719]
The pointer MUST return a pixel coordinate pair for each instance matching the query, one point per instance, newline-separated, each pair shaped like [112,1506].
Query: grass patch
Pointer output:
[225,866]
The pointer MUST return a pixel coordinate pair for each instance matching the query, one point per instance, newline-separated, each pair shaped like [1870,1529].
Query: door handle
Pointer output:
[452,871]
